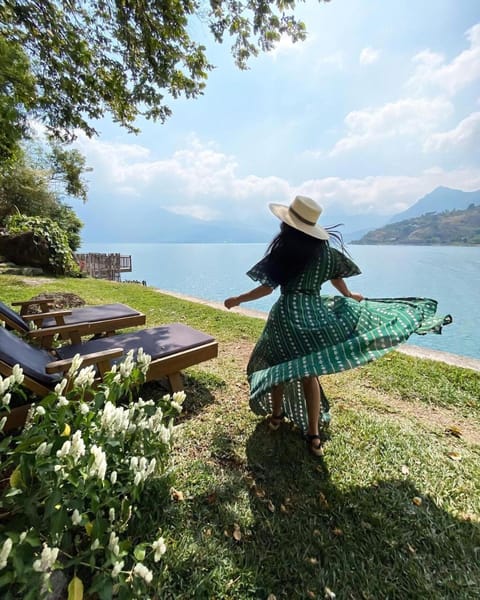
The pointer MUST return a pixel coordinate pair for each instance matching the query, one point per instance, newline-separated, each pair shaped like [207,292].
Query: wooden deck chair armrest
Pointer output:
[94,358]
[25,304]
[40,316]
[80,328]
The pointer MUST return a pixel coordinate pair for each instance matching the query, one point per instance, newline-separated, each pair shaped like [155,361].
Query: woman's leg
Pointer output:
[277,412]
[277,399]
[311,389]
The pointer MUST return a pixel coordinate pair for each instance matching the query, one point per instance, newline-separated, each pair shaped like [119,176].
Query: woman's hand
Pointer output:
[356,296]
[231,302]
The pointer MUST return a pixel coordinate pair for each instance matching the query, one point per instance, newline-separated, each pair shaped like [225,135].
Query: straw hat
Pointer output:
[302,214]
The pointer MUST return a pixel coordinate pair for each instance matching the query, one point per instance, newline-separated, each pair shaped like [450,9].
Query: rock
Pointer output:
[31,271]
[25,250]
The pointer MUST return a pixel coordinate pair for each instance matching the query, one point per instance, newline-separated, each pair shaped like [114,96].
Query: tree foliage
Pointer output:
[130,57]
[37,184]
[17,97]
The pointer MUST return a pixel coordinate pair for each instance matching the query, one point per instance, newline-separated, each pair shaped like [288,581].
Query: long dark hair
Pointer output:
[291,250]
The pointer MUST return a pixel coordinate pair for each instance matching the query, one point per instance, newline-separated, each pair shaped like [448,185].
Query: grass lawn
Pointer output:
[391,511]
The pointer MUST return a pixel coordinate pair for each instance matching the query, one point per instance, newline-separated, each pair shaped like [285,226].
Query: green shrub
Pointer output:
[78,477]
[61,257]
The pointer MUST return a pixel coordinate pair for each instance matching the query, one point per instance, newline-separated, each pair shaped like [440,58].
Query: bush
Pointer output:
[78,477]
[61,257]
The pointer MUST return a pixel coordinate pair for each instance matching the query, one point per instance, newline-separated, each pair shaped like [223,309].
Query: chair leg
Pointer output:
[176,382]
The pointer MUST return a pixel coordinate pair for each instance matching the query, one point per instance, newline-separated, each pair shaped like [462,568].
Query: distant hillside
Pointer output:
[456,227]
[438,201]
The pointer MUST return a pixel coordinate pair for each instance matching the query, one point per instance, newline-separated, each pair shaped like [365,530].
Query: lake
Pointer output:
[449,274]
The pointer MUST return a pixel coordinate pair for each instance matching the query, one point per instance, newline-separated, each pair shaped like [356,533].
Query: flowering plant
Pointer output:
[77,477]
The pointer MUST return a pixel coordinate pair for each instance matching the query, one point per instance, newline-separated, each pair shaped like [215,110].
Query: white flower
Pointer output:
[142,571]
[5,552]
[84,408]
[60,387]
[176,406]
[114,420]
[6,399]
[159,548]
[165,434]
[43,449]
[76,517]
[95,544]
[5,383]
[111,514]
[64,450]
[17,374]
[179,397]
[78,445]
[85,378]
[47,559]
[142,468]
[62,401]
[117,567]
[3,420]
[76,364]
[23,535]
[113,543]
[99,466]
[113,477]
[143,360]
[40,411]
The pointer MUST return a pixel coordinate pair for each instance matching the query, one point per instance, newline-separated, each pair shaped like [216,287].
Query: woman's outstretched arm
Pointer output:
[341,286]
[255,294]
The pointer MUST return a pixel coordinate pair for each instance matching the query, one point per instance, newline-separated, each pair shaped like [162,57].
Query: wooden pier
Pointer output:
[104,266]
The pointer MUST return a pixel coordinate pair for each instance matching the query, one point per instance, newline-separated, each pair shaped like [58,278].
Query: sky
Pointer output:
[379,106]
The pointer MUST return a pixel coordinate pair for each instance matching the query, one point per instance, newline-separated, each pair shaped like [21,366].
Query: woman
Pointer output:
[308,335]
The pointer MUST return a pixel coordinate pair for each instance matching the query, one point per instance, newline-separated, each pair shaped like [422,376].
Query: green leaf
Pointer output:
[75,589]
[140,551]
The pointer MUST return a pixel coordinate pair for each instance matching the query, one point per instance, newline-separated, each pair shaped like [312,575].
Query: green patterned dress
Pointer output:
[312,334]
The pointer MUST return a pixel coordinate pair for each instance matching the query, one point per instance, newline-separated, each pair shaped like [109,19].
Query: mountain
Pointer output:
[159,225]
[152,224]
[441,199]
[456,227]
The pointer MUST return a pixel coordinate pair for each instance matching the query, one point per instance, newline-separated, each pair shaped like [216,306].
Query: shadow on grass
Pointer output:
[198,387]
[299,534]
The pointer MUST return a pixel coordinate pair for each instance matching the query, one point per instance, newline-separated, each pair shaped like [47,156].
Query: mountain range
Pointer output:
[444,216]
[440,200]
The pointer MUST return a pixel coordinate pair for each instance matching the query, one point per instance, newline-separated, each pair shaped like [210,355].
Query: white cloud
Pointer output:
[197,211]
[433,69]
[385,194]
[203,182]
[285,46]
[408,116]
[465,135]
[368,56]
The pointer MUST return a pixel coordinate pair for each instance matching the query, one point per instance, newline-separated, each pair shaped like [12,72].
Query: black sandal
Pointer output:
[274,421]
[313,448]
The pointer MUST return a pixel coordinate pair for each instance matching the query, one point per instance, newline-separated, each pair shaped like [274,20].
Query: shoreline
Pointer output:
[465,362]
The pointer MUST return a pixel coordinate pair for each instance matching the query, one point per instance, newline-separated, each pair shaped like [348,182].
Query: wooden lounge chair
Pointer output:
[173,347]
[103,319]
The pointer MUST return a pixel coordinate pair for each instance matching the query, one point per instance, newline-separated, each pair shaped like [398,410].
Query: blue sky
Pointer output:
[380,105]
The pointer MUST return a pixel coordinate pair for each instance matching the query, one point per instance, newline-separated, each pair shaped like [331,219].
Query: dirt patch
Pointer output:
[434,418]
[36,281]
[58,301]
